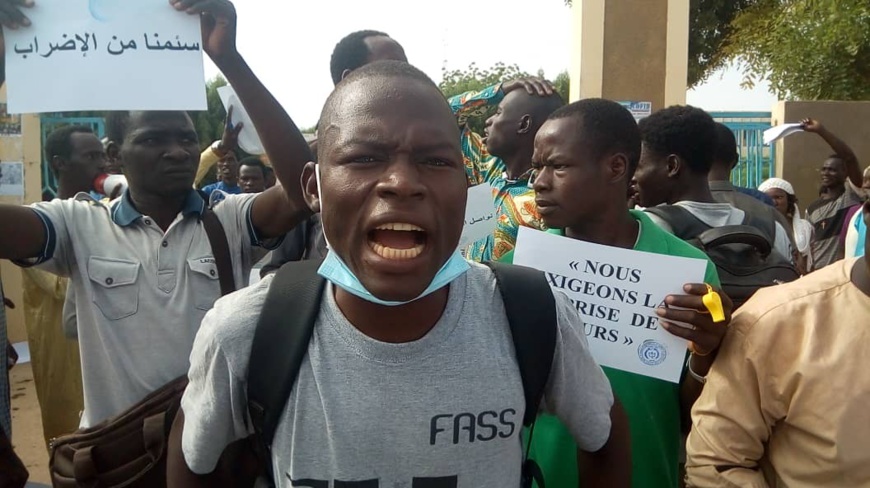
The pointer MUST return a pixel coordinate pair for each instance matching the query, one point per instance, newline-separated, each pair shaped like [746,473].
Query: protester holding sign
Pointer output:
[585,155]
[142,266]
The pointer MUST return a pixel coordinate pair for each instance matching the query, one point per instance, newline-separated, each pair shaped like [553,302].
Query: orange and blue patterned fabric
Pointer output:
[514,199]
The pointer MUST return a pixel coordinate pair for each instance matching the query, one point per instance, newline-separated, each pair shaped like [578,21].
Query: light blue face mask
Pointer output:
[336,271]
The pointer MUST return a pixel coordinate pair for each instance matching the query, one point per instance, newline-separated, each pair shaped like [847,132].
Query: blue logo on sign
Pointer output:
[652,353]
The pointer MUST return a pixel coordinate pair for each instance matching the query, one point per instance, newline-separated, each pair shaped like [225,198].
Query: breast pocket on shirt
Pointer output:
[204,281]
[116,286]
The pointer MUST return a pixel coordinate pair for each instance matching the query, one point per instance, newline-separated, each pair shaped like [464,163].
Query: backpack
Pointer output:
[744,256]
[287,322]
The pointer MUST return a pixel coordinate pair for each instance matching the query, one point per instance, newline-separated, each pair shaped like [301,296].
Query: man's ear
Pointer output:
[617,167]
[310,189]
[525,124]
[675,165]
[345,73]
[113,153]
[58,164]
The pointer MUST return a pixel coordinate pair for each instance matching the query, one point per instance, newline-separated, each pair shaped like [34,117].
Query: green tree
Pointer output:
[210,123]
[456,82]
[806,49]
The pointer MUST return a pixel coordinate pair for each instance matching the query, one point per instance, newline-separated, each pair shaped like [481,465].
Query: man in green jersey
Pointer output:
[585,156]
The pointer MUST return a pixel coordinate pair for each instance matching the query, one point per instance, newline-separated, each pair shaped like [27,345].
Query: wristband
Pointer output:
[696,376]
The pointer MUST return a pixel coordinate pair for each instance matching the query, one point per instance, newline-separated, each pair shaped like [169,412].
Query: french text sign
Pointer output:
[480,216]
[105,55]
[616,292]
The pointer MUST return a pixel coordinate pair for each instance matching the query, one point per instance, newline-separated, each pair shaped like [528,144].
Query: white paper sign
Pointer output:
[616,291]
[249,140]
[480,216]
[12,179]
[105,55]
[780,131]
[639,110]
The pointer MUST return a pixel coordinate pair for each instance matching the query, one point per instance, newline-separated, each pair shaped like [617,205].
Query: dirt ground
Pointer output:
[27,425]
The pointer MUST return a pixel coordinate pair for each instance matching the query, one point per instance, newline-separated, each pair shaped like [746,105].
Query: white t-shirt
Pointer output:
[446,408]
[721,214]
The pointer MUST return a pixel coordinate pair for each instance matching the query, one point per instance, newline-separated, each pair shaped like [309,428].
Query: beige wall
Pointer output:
[799,157]
[25,148]
[630,50]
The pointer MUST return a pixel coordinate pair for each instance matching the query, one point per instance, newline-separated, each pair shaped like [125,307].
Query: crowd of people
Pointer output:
[411,374]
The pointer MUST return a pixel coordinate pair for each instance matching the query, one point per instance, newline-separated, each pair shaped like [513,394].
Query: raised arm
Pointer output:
[279,209]
[229,142]
[841,149]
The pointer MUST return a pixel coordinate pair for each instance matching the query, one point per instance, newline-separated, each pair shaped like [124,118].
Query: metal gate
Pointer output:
[757,161]
[49,124]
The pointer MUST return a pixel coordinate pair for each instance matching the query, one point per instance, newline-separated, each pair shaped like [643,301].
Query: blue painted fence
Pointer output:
[757,161]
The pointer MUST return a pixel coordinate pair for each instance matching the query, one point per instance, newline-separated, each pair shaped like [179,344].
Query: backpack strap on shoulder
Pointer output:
[531,312]
[280,345]
[683,223]
[217,238]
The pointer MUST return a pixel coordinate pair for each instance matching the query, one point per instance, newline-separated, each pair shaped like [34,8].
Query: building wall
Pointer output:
[630,50]
[25,148]
[799,156]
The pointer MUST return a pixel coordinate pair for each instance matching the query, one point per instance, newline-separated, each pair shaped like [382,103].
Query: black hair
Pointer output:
[726,146]
[255,162]
[59,142]
[378,69]
[116,126]
[351,53]
[791,204]
[682,130]
[608,126]
[541,108]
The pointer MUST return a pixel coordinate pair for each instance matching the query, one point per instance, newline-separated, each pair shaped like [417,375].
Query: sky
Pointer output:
[288,44]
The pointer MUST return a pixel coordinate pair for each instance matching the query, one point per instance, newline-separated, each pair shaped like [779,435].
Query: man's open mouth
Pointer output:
[398,241]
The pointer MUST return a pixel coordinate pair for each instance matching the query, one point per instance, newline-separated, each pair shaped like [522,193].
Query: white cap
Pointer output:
[778,183]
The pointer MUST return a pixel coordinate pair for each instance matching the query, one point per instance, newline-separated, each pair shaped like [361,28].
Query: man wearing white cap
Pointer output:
[784,199]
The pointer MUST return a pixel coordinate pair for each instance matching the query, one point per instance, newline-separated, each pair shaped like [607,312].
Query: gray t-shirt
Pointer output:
[722,214]
[446,408]
[828,218]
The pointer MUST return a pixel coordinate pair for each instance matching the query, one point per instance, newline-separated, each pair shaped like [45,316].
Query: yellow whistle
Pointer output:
[714,305]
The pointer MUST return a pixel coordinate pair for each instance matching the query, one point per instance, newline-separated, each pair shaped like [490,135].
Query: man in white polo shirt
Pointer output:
[142,266]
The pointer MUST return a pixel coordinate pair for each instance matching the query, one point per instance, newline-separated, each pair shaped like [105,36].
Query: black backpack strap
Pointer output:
[280,344]
[683,223]
[531,312]
[217,238]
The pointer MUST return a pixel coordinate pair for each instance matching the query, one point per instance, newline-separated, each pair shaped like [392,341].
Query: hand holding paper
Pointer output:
[780,131]
[218,25]
[11,15]
[247,137]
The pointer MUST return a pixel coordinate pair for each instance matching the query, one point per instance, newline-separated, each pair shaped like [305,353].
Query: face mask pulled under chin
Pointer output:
[336,271]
